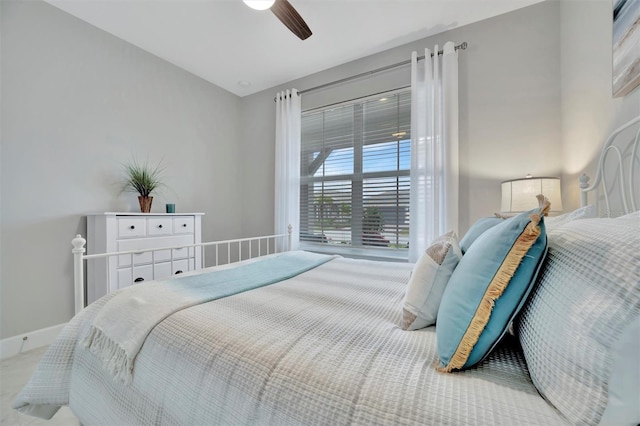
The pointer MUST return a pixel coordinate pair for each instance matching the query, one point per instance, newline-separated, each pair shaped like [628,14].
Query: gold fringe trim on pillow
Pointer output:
[497,286]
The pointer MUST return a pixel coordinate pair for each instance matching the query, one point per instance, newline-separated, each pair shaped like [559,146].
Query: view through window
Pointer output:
[355,163]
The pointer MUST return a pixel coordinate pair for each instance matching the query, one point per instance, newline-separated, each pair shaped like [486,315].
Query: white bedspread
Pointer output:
[324,347]
[142,307]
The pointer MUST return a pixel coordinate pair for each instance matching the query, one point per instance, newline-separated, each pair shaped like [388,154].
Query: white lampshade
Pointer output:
[259,4]
[519,195]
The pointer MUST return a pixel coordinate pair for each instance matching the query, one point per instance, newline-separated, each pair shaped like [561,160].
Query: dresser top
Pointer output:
[144,214]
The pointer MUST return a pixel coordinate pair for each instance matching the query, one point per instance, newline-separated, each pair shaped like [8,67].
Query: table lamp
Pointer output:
[519,195]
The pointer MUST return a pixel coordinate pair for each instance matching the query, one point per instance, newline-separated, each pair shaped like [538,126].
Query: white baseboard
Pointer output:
[25,342]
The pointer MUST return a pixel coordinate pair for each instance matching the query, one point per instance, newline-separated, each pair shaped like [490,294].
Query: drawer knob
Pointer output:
[138,280]
[160,226]
[179,271]
[184,225]
[132,227]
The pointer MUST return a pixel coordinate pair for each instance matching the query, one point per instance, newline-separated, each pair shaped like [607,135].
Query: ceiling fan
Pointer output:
[286,13]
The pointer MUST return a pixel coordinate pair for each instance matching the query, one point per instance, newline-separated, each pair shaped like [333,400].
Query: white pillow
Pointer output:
[623,405]
[553,222]
[633,216]
[428,281]
[580,328]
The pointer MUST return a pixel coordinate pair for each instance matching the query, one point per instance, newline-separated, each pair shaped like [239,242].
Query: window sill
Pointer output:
[387,255]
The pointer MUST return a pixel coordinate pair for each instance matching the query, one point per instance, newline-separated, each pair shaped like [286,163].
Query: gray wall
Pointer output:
[589,112]
[510,121]
[76,103]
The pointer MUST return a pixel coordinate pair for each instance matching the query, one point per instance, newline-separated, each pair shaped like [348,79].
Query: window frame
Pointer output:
[357,179]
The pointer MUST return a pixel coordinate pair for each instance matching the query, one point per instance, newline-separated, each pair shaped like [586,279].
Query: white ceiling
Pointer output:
[226,42]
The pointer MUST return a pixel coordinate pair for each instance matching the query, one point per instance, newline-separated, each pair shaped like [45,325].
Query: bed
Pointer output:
[325,345]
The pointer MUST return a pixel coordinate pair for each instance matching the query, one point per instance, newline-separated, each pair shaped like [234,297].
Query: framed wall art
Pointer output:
[626,46]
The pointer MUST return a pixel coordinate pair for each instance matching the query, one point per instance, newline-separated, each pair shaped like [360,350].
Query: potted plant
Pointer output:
[143,179]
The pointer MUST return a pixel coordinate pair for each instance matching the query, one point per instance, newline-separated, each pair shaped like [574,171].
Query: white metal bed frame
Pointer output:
[627,194]
[79,256]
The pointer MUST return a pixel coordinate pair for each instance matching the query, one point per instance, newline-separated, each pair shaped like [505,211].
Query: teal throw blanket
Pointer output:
[122,325]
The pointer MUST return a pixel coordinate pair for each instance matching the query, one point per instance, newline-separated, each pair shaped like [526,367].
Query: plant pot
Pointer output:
[145,203]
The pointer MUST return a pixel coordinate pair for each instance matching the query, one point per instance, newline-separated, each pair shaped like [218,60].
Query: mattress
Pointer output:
[324,347]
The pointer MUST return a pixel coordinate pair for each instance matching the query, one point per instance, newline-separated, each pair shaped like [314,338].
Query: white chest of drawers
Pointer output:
[112,232]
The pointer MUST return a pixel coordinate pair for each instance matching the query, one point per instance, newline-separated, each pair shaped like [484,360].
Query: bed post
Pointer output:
[290,232]
[78,271]
[584,179]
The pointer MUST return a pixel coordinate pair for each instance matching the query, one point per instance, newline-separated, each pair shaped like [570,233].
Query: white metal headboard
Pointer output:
[627,187]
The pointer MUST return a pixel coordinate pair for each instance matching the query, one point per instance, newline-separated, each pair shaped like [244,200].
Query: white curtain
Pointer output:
[434,147]
[287,183]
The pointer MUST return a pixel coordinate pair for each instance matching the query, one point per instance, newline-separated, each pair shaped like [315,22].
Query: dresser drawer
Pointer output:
[139,258]
[140,274]
[142,256]
[183,253]
[164,270]
[183,266]
[158,271]
[183,225]
[132,227]
[159,226]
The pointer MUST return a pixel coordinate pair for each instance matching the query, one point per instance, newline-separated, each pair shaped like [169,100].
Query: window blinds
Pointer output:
[355,162]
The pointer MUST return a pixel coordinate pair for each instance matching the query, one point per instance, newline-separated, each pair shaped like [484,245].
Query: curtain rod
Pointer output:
[461,46]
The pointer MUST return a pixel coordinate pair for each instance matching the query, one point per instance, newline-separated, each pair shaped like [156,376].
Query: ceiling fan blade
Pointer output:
[291,19]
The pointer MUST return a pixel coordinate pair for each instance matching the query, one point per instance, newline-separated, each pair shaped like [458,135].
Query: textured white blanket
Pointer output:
[122,325]
[323,348]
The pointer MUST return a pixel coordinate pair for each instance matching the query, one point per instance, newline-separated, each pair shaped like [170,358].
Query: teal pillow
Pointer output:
[488,288]
[477,229]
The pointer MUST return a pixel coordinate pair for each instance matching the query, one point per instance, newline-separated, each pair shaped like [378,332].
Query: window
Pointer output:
[355,163]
